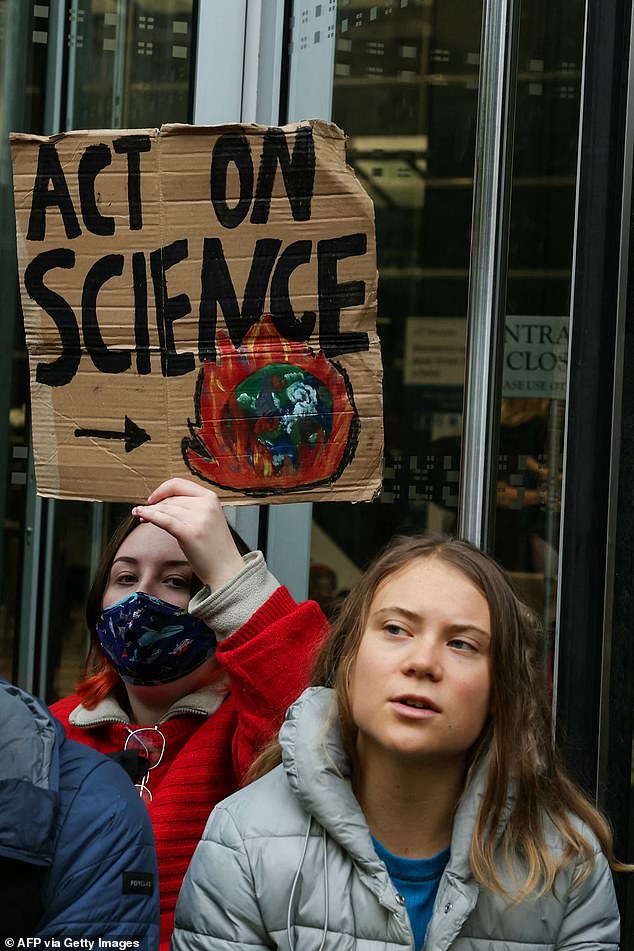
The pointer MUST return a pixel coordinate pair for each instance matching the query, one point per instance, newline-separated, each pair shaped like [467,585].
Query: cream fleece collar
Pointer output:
[203,702]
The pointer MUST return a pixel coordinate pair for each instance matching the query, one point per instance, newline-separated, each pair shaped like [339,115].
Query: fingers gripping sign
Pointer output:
[193,515]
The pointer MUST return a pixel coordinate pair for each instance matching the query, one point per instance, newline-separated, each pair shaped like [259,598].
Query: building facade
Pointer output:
[495,138]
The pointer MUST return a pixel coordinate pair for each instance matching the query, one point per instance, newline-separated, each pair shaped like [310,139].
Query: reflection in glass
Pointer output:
[538,302]
[529,498]
[404,89]
[129,63]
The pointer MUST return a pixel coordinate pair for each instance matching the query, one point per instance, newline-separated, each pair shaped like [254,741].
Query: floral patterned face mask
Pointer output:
[150,642]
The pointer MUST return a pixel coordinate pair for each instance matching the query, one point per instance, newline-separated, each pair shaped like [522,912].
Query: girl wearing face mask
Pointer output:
[196,653]
[414,799]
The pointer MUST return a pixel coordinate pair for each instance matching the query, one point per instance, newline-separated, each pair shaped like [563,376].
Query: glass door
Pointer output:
[401,78]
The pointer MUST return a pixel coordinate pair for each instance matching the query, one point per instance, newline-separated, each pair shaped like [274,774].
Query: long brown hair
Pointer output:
[100,677]
[517,739]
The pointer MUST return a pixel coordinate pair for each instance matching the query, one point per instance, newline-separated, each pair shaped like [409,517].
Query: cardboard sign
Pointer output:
[200,302]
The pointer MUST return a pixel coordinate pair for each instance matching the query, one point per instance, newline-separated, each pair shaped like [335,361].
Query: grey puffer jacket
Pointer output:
[288,863]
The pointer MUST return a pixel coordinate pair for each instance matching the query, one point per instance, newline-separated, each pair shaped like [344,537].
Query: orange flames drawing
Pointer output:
[271,416]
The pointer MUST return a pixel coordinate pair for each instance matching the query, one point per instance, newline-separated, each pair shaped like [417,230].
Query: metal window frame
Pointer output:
[488,269]
[613,788]
[617,420]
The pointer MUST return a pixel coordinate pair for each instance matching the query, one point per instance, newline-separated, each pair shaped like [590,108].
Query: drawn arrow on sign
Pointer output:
[133,435]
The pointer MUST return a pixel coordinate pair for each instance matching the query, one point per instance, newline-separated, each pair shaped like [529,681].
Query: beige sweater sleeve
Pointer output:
[229,607]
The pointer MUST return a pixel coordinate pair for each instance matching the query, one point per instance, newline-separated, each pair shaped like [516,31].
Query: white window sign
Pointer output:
[535,357]
[435,351]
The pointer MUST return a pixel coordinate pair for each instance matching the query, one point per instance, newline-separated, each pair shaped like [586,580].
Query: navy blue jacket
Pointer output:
[77,854]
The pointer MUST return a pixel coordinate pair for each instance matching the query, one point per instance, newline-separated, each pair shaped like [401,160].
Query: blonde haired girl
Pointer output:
[415,798]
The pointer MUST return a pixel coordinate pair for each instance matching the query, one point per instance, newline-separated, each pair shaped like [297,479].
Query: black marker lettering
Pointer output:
[105,359]
[60,371]
[217,288]
[49,170]
[231,147]
[132,146]
[333,297]
[298,173]
[281,308]
[93,161]
[141,330]
[169,309]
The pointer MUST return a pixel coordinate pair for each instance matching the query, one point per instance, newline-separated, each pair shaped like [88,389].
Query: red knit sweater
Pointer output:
[267,662]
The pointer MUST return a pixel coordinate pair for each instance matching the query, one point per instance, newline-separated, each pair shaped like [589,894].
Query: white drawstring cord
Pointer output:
[291,940]
[325,934]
